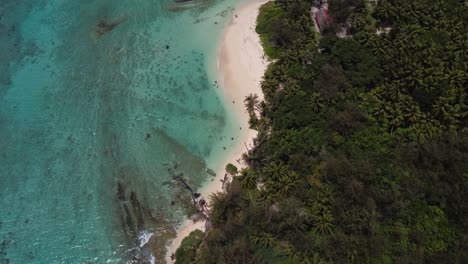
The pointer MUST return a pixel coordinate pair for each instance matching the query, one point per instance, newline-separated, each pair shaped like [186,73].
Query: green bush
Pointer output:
[269,15]
[231,169]
[187,251]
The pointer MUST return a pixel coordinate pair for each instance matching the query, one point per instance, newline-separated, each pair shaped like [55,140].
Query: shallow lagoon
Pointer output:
[94,122]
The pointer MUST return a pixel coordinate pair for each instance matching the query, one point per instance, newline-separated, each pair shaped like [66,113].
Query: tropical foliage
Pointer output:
[187,252]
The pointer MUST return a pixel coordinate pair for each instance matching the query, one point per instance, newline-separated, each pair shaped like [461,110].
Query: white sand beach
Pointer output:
[241,64]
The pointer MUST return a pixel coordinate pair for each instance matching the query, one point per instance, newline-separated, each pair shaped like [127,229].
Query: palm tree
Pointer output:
[288,182]
[379,48]
[218,207]
[251,103]
[265,198]
[263,240]
[441,106]
[324,223]
[413,113]
[291,88]
[275,170]
[289,252]
[247,179]
[316,102]
[385,11]
[395,118]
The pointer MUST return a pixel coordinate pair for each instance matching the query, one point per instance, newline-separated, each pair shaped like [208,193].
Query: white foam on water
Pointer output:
[144,237]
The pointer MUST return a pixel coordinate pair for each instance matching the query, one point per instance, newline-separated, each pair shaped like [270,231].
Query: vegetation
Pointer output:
[362,151]
[231,169]
[271,15]
[278,32]
[187,251]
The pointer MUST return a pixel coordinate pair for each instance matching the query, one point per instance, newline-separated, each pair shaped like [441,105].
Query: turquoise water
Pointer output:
[93,123]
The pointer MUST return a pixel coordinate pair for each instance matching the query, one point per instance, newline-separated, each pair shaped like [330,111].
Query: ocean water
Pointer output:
[101,102]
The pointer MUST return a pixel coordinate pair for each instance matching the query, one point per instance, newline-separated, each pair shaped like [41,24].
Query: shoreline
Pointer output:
[240,66]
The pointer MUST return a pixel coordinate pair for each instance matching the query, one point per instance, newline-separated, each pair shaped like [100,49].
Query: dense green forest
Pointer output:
[362,152]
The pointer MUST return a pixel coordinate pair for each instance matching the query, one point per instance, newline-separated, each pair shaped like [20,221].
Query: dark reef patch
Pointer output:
[103,26]
[3,248]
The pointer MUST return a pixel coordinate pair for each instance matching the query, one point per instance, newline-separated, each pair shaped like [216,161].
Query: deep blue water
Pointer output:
[93,124]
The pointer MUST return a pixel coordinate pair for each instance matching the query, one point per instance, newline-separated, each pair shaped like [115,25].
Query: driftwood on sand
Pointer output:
[224,180]
[180,179]
[180,182]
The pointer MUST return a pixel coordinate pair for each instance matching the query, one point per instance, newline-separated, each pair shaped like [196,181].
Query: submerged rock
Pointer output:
[103,26]
[120,191]
[210,172]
